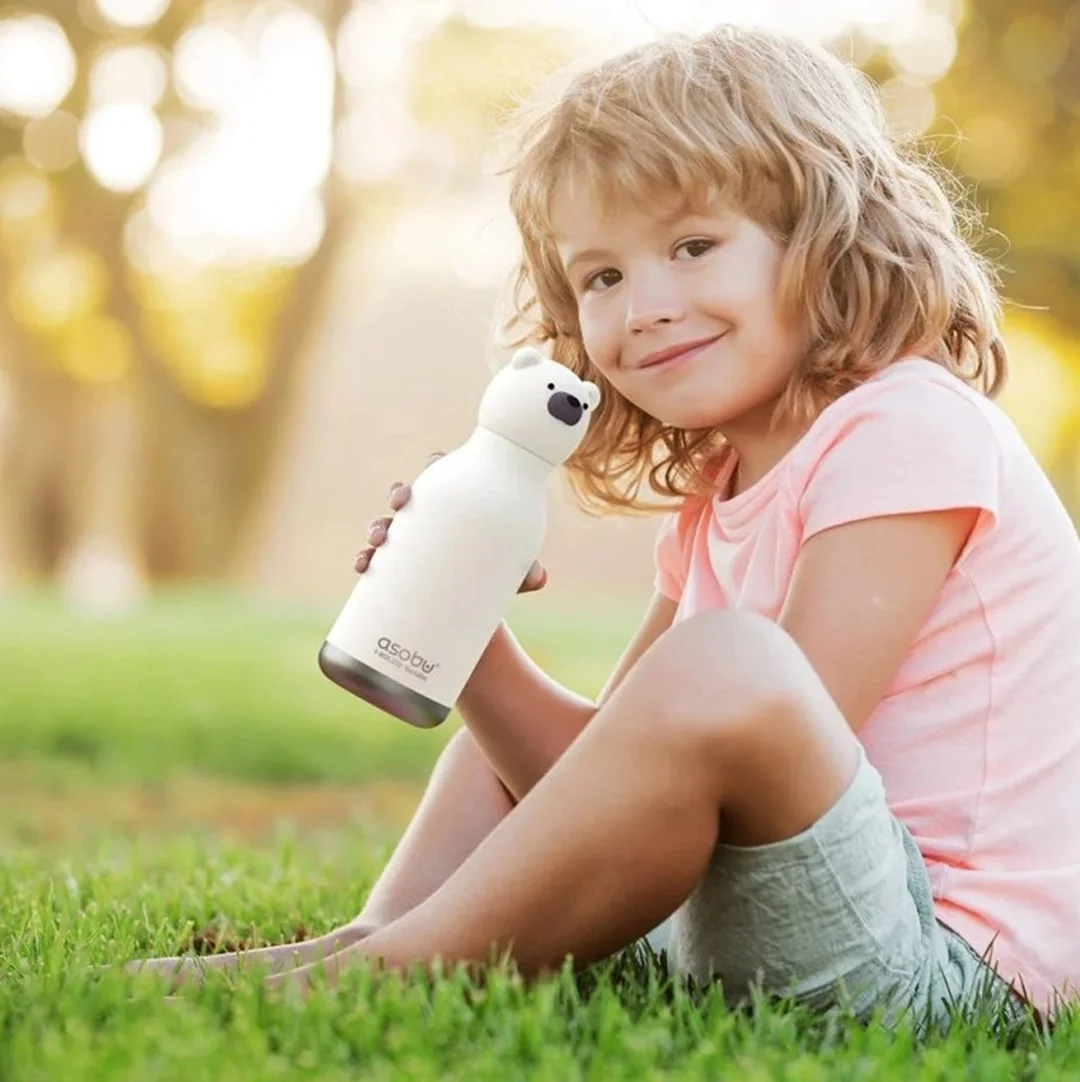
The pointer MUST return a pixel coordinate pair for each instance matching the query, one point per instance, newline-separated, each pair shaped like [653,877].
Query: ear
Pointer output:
[526,358]
[592,393]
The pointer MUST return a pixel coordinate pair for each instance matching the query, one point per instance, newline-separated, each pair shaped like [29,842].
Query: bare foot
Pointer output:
[186,969]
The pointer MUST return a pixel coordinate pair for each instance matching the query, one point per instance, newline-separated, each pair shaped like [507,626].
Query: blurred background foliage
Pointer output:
[179,181]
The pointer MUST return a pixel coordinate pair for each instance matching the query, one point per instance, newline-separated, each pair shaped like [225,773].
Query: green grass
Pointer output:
[61,1020]
[206,687]
[206,684]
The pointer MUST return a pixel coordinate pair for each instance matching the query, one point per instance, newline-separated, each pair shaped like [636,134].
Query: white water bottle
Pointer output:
[426,607]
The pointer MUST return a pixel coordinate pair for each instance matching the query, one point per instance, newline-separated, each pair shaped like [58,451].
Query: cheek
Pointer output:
[759,306]
[751,281]
[754,288]
[596,335]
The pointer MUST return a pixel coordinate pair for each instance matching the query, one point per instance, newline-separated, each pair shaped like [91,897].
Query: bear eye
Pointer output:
[584,405]
[551,386]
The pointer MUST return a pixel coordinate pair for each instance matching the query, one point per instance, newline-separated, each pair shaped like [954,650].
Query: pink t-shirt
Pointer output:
[978,738]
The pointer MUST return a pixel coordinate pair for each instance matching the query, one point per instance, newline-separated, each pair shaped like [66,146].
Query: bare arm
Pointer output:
[854,614]
[848,609]
[523,720]
[520,718]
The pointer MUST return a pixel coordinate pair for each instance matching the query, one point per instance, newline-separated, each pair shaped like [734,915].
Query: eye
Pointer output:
[598,277]
[696,247]
[551,386]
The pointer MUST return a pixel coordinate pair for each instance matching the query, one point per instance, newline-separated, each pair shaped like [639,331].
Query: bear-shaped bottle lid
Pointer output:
[540,405]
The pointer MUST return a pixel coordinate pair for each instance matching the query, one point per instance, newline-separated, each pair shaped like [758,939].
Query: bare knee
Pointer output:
[465,759]
[461,747]
[462,753]
[727,667]
[738,685]
[738,695]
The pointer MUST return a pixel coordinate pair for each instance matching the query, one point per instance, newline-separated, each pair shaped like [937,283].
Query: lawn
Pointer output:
[188,774]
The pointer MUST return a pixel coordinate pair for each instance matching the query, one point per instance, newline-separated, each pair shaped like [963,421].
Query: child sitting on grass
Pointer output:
[842,752]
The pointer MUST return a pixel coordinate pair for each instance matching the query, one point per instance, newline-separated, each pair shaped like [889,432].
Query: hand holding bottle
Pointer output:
[380,526]
[467,533]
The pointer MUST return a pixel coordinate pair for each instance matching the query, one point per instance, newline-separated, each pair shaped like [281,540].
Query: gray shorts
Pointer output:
[839,916]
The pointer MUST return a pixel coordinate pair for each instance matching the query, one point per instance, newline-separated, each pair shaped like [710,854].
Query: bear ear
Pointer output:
[592,394]
[526,358]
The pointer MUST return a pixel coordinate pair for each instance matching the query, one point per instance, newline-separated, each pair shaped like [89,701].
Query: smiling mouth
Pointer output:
[672,359]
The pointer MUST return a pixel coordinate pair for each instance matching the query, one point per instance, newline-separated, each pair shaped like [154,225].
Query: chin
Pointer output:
[694,418]
[717,410]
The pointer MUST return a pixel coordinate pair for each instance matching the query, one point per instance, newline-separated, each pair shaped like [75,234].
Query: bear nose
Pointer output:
[565,407]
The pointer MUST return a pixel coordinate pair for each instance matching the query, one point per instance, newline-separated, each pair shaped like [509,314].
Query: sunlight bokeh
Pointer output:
[129,74]
[37,65]
[263,73]
[133,13]
[121,144]
[184,188]
[247,187]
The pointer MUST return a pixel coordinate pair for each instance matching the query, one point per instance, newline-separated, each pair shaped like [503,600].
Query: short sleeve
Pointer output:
[671,555]
[918,445]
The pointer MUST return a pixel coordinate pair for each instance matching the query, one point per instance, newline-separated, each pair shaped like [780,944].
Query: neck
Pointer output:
[758,448]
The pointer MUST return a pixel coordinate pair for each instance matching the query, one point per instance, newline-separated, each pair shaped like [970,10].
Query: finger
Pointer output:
[399,495]
[433,457]
[363,558]
[378,528]
[535,578]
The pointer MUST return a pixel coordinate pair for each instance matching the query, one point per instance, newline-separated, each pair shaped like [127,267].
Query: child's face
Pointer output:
[645,283]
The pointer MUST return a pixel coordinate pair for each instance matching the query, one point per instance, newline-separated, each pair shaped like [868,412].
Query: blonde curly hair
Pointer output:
[875,262]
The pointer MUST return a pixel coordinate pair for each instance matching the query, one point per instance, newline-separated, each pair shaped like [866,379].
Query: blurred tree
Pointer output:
[166,248]
[149,363]
[1015,89]
[119,463]
[1005,118]
[1013,93]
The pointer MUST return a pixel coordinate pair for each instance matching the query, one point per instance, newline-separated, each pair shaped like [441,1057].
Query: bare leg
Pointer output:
[463,802]
[723,719]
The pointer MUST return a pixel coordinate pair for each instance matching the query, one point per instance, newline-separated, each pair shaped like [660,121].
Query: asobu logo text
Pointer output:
[401,655]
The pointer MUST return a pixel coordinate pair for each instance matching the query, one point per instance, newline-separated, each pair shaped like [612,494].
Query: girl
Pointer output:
[842,752]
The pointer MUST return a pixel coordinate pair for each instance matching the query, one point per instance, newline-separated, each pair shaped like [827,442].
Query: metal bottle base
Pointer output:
[380,690]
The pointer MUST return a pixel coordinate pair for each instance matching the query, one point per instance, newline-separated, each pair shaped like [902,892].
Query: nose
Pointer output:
[653,300]
[565,407]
